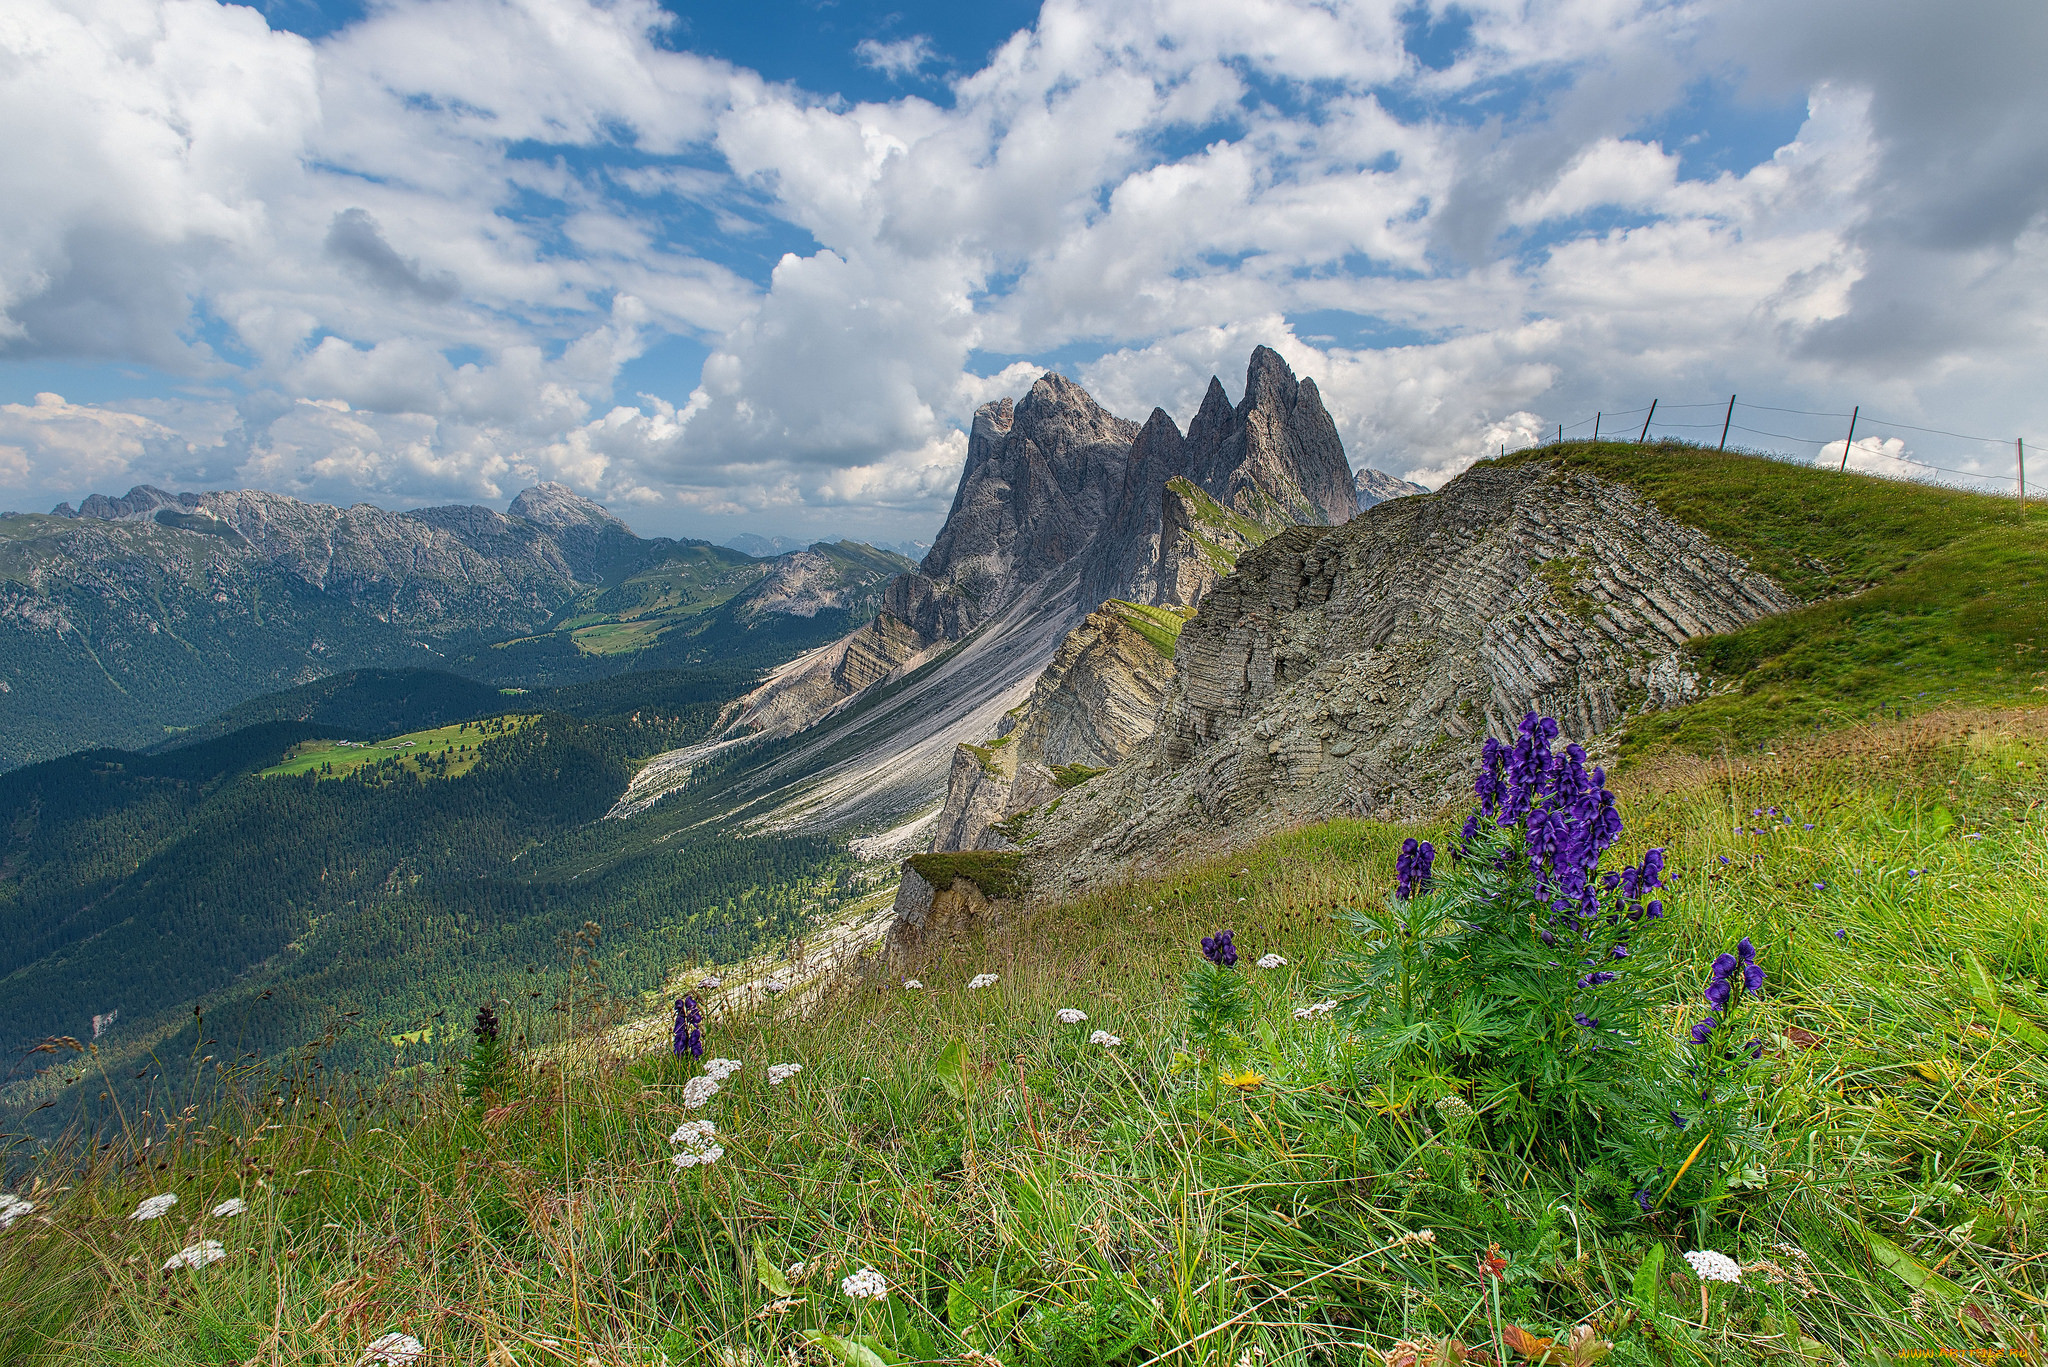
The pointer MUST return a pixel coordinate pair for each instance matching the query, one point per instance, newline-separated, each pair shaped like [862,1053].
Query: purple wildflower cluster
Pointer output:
[1219,950]
[1733,974]
[1413,867]
[1568,820]
[689,1028]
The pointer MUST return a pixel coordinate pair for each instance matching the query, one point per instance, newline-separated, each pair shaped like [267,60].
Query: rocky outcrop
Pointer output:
[1093,705]
[844,576]
[1350,669]
[1377,486]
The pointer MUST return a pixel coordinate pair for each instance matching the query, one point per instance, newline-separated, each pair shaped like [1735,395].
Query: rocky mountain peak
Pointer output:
[589,537]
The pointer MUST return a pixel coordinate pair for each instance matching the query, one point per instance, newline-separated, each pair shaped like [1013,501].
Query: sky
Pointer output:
[752,267]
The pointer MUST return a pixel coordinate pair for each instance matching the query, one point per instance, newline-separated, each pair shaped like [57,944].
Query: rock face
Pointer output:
[1377,486]
[845,576]
[1353,669]
[1273,461]
[1093,705]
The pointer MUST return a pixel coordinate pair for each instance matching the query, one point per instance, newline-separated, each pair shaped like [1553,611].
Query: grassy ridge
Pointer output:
[1916,596]
[1028,1195]
[442,752]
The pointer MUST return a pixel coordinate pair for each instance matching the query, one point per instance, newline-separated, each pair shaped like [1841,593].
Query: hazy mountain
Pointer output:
[1377,486]
[127,619]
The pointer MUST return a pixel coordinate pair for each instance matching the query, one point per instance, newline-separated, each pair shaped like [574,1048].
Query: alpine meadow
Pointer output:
[1303,683]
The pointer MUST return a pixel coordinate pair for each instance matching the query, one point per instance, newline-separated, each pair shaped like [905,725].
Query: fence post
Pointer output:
[1646,423]
[2019,445]
[1852,438]
[1560,434]
[1596,426]
[1724,424]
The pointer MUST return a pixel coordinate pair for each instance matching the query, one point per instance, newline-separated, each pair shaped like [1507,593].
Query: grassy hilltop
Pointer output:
[1860,800]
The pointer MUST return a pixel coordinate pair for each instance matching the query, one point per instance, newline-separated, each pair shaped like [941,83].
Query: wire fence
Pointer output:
[1853,440]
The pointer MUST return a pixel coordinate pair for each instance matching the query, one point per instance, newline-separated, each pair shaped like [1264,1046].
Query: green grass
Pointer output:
[1915,596]
[1160,626]
[1015,1185]
[446,751]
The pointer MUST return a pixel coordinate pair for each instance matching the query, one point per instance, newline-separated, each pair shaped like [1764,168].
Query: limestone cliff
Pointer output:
[1272,461]
[1346,669]
[1093,705]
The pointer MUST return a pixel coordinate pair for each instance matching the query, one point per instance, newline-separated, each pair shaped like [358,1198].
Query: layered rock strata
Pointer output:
[1354,669]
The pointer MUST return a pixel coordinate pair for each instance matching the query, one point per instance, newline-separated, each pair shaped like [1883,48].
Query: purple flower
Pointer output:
[1218,949]
[1413,867]
[1820,887]
[1704,1029]
[1755,1048]
[1596,979]
[1618,952]
[1678,1120]
[1724,859]
[1583,1019]
[1752,971]
[1841,935]
[1643,1196]
[689,1028]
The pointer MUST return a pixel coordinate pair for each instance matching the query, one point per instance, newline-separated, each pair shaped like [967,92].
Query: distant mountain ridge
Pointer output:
[127,618]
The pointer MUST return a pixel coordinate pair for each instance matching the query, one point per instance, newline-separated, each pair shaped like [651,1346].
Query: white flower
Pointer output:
[1322,1008]
[1105,1039]
[912,985]
[699,1090]
[12,1208]
[719,1069]
[1710,1266]
[1454,1108]
[697,1142]
[233,1206]
[155,1206]
[794,1271]
[1067,1015]
[398,1350]
[779,1073]
[866,1285]
[196,1256]
[981,980]
[1271,961]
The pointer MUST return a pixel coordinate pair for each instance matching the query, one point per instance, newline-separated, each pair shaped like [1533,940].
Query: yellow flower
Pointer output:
[1243,1081]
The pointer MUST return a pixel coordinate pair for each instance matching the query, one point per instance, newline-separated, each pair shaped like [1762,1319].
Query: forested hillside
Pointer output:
[140,885]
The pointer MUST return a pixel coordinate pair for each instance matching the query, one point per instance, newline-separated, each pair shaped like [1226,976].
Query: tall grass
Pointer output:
[1074,1203]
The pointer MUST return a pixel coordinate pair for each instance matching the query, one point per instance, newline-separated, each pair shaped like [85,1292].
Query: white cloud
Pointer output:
[425,248]
[904,57]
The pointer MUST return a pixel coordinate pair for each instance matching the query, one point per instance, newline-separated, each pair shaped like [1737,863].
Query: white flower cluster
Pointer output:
[866,1285]
[719,1069]
[12,1208]
[699,1090]
[1710,1266]
[395,1350]
[1454,1108]
[1322,1008]
[912,985]
[229,1208]
[981,980]
[1105,1039]
[1271,961]
[696,1142]
[195,1256]
[155,1206]
[1067,1015]
[779,1073]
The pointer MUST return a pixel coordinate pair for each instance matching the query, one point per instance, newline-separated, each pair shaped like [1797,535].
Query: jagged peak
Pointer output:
[1268,379]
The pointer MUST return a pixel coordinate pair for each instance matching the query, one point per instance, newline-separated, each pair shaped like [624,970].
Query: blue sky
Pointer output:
[753,267]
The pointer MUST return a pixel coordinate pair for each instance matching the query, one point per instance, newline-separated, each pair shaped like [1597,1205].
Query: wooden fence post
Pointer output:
[2019,445]
[1596,426]
[1725,422]
[1646,423]
[1852,437]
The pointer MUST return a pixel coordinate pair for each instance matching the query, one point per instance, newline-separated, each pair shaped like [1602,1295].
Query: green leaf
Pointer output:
[1908,1268]
[772,1280]
[854,1352]
[1984,988]
[952,1070]
[1643,1290]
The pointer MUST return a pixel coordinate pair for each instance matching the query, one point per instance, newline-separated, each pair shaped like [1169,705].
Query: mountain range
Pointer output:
[126,620]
